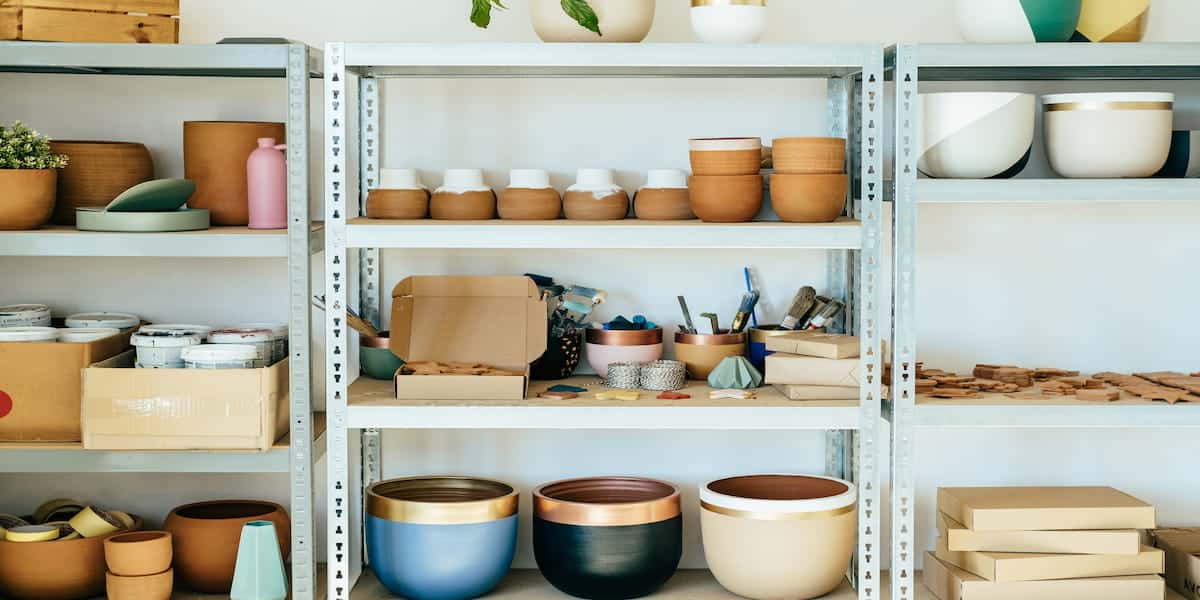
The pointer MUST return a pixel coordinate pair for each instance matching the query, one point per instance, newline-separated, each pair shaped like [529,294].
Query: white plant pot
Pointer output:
[620,21]
[1108,135]
[975,135]
[729,22]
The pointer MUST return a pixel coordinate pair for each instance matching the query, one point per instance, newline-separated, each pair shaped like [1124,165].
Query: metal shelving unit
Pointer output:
[296,64]
[855,110]
[910,65]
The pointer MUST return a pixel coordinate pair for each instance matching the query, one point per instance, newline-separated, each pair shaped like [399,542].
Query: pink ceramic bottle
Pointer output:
[266,175]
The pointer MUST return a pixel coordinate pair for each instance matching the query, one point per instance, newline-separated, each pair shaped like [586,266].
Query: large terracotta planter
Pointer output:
[214,156]
[26,198]
[206,536]
[620,21]
[58,570]
[96,173]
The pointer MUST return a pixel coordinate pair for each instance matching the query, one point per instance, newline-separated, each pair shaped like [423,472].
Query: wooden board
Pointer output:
[150,7]
[99,21]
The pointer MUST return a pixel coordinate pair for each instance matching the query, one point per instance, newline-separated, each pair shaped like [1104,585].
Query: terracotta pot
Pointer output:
[397,204]
[138,554]
[464,206]
[97,173]
[145,587]
[806,155]
[619,20]
[809,198]
[726,199]
[524,204]
[58,570]
[28,198]
[726,156]
[702,353]
[214,156]
[206,537]
[585,206]
[666,204]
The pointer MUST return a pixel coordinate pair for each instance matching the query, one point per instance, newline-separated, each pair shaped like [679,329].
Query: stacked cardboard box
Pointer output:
[1183,559]
[1032,543]
[809,365]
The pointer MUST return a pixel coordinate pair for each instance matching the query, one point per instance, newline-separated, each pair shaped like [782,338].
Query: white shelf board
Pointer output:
[217,242]
[1056,190]
[373,405]
[1064,61]
[207,60]
[629,233]
[997,411]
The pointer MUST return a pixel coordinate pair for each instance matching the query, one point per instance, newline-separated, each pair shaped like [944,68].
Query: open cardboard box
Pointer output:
[1183,559]
[499,321]
[183,409]
[41,385]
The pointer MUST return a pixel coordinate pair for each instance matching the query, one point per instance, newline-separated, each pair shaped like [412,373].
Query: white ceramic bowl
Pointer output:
[975,135]
[729,21]
[1108,135]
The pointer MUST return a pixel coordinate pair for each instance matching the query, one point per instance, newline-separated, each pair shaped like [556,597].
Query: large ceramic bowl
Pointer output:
[606,347]
[607,538]
[441,538]
[778,536]
[1113,21]
[1108,135]
[975,135]
[58,570]
[619,21]
[206,537]
[1184,159]
[1017,21]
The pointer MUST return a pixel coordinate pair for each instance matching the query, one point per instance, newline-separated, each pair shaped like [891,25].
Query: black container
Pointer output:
[561,357]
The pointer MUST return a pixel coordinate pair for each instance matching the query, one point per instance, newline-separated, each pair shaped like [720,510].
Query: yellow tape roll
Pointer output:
[91,523]
[50,507]
[32,533]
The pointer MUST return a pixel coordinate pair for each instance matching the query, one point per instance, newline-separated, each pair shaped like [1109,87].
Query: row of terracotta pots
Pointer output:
[610,538]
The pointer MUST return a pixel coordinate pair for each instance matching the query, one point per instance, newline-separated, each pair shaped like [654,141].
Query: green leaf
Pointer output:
[481,12]
[583,14]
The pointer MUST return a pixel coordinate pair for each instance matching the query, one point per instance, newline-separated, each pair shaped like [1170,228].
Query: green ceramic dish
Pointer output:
[376,360]
[95,219]
[159,195]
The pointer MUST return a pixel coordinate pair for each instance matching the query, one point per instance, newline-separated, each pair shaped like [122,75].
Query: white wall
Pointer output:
[1085,287]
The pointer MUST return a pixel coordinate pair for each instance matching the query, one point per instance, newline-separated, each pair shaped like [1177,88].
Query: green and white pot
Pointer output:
[1017,21]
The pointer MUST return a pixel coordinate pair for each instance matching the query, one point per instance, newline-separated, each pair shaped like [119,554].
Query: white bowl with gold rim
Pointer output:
[729,21]
[779,536]
[1108,135]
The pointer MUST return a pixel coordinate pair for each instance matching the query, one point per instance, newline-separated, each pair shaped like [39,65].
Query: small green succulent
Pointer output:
[580,10]
[24,148]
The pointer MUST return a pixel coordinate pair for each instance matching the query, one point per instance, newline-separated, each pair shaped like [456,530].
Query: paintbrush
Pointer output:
[689,327]
[355,322]
[745,311]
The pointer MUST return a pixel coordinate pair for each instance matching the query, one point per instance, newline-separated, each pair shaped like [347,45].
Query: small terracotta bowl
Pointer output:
[663,204]
[57,570]
[702,353]
[146,587]
[809,155]
[524,204]
[726,156]
[607,538]
[585,206]
[463,206]
[397,204]
[809,198]
[726,199]
[138,554]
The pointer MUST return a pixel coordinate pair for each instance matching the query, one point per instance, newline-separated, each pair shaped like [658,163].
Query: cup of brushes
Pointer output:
[703,348]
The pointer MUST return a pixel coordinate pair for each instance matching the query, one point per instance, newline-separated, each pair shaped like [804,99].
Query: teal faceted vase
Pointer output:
[259,573]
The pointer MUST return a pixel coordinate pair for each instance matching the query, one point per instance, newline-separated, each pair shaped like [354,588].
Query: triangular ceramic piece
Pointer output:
[259,574]
[735,372]
[159,195]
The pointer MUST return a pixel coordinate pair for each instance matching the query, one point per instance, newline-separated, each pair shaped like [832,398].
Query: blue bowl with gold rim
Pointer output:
[441,537]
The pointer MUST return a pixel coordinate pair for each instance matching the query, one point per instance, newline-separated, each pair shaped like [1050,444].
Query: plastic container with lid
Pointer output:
[103,319]
[86,334]
[25,315]
[222,356]
[279,338]
[162,350]
[28,334]
[178,329]
[261,339]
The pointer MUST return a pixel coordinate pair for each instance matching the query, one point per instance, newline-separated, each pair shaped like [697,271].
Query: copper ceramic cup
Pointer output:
[702,353]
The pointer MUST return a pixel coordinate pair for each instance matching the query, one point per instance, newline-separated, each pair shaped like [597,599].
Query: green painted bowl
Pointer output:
[376,360]
[1018,21]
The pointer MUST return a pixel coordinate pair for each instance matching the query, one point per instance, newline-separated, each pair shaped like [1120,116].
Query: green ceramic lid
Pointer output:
[187,219]
[159,195]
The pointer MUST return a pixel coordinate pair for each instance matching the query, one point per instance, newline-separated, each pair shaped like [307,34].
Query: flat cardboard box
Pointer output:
[818,392]
[496,321]
[1020,566]
[183,409]
[1099,541]
[949,582]
[1183,559]
[1044,508]
[816,343]
[41,384]
[793,369]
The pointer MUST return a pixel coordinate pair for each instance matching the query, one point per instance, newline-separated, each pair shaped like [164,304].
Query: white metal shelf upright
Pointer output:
[854,110]
[909,65]
[297,64]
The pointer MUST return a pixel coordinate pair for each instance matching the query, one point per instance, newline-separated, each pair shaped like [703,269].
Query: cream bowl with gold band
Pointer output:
[729,21]
[778,536]
[441,537]
[1108,135]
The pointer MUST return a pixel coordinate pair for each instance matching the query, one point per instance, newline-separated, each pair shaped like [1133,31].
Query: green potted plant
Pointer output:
[580,20]
[28,177]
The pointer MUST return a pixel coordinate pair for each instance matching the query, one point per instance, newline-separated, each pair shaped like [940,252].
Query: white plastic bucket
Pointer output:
[221,356]
[162,350]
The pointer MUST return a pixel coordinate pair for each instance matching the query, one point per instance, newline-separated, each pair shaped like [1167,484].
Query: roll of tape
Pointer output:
[73,536]
[64,529]
[8,521]
[58,509]
[124,520]
[32,533]
[92,523]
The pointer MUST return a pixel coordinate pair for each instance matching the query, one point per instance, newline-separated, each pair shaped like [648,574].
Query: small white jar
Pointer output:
[161,350]
[260,339]
[600,182]
[103,319]
[178,329]
[529,179]
[460,181]
[25,315]
[279,338]
[400,179]
[729,21]
[28,334]
[83,335]
[666,179]
[222,356]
